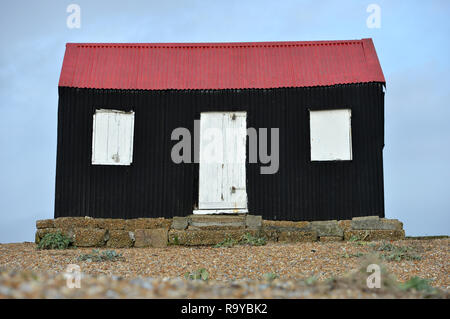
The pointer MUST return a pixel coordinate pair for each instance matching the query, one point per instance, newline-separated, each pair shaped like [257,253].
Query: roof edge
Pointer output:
[373,63]
[218,44]
[226,89]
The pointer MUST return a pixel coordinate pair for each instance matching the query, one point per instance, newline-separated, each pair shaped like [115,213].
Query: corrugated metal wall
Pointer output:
[154,186]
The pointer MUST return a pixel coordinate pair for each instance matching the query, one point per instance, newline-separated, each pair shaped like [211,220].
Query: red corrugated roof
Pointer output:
[219,65]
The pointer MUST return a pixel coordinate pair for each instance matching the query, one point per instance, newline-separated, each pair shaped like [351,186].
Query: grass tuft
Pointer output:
[54,241]
[97,256]
[200,274]
[270,276]
[419,284]
[398,253]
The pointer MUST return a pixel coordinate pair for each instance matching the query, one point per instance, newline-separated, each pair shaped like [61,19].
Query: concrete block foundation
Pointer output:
[200,230]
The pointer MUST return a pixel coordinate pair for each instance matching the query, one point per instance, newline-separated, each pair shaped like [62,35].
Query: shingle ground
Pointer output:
[428,259]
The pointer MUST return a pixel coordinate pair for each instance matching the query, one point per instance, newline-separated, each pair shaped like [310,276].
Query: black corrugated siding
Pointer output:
[153,186]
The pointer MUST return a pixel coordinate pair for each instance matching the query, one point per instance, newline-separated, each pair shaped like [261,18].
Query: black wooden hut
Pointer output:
[123,110]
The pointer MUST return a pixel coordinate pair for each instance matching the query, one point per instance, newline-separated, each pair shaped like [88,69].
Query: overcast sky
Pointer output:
[412,44]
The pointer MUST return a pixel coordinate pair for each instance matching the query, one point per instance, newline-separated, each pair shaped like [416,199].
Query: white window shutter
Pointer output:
[112,137]
[330,133]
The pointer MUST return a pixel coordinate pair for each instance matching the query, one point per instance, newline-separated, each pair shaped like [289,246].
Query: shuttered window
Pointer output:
[112,137]
[331,136]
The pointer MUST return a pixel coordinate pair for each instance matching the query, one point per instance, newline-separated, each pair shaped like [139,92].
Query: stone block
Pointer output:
[111,223]
[375,223]
[327,228]
[237,221]
[294,235]
[398,225]
[90,237]
[253,221]
[330,238]
[286,223]
[75,222]
[157,237]
[345,224]
[45,223]
[179,223]
[270,233]
[373,217]
[217,227]
[206,237]
[120,239]
[147,223]
[375,234]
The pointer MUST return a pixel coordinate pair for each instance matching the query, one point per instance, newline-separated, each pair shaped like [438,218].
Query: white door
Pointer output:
[222,177]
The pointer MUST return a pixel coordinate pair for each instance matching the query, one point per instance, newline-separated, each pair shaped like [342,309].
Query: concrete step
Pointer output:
[217,222]
[235,221]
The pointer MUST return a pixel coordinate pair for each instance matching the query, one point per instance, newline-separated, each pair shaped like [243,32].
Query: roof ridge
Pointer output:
[218,44]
